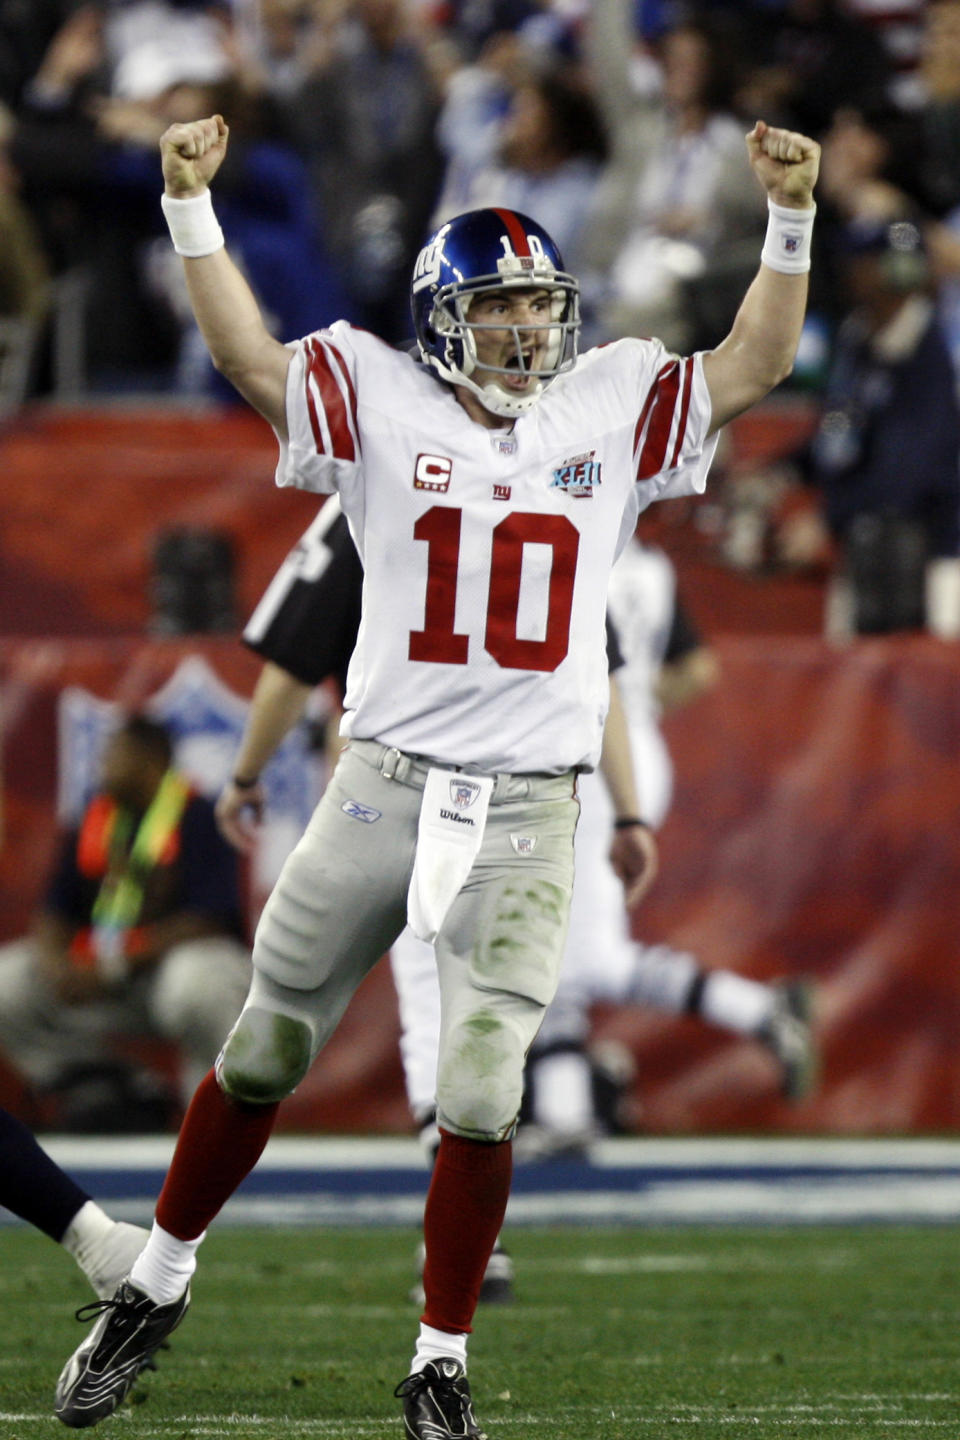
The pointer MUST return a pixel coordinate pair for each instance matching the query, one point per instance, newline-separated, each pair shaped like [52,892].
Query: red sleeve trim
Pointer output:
[664,400]
[684,408]
[651,396]
[320,370]
[311,404]
[351,391]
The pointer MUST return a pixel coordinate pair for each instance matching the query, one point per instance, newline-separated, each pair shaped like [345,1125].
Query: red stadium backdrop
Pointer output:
[814,830]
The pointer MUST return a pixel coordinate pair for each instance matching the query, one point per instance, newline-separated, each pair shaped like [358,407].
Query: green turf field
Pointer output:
[615,1333]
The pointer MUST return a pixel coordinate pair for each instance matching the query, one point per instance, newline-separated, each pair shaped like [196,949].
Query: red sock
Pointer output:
[219,1143]
[466,1204]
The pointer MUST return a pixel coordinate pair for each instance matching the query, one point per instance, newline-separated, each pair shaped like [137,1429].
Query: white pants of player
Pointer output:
[340,902]
[192,996]
[601,960]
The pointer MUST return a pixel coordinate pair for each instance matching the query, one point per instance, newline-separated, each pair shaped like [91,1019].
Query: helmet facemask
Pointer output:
[450,320]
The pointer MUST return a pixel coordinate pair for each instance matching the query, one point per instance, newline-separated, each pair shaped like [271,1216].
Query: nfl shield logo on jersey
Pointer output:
[463,793]
[524,844]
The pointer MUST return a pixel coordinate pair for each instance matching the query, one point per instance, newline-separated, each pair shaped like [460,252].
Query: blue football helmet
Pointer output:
[475,253]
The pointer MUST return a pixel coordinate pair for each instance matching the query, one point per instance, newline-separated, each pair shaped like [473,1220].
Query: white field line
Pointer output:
[260,1426]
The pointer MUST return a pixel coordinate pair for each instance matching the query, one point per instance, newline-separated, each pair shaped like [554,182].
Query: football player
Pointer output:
[305,628]
[488,489]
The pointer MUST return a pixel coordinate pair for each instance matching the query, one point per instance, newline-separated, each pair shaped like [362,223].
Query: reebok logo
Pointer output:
[356,811]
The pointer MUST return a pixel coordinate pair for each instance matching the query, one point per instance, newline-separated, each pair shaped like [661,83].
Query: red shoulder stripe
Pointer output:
[651,396]
[684,407]
[348,381]
[311,403]
[654,450]
[334,405]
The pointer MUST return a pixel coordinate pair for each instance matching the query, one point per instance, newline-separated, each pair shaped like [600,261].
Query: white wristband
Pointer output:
[194,228]
[787,244]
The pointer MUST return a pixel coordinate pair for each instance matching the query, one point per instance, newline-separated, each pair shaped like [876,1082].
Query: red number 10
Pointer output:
[440,643]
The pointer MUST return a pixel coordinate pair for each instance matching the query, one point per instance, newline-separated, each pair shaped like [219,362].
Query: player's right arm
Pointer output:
[225,308]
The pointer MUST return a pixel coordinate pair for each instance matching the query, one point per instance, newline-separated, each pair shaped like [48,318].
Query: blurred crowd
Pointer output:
[357,125]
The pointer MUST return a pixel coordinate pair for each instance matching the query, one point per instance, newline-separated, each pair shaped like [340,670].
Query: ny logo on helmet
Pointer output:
[427,270]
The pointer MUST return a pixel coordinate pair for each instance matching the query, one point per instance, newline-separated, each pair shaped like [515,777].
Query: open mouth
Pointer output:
[522,373]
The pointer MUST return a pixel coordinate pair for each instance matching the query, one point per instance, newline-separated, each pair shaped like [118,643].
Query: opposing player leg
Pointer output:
[34,1187]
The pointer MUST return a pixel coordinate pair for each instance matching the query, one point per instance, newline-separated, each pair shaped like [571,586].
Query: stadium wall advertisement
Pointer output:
[814,833]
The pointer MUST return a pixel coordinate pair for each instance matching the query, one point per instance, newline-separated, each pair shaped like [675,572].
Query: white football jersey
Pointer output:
[641,599]
[486,553]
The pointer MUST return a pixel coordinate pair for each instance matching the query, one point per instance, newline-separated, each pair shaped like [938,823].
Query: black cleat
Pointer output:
[437,1404]
[101,1370]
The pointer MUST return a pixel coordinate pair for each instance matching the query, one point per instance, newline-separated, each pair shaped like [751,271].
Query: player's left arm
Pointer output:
[759,351]
[633,850]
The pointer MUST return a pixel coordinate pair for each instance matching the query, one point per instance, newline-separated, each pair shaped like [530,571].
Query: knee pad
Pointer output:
[480,1077]
[265,1057]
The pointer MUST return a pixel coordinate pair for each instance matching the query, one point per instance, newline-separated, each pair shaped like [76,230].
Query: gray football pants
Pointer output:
[340,902]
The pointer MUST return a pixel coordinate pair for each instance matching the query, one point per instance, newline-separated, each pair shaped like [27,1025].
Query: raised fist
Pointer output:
[786,163]
[191,155]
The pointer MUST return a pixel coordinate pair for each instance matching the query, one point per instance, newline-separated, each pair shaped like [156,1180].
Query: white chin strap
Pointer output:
[502,402]
[492,396]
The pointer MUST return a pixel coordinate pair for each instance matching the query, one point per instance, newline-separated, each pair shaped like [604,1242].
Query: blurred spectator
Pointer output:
[476,99]
[59,152]
[810,57]
[551,146]
[90,124]
[365,123]
[938,152]
[884,463]
[24,274]
[26,30]
[694,205]
[627,83]
[868,171]
[474,23]
[140,934]
[278,43]
[898,25]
